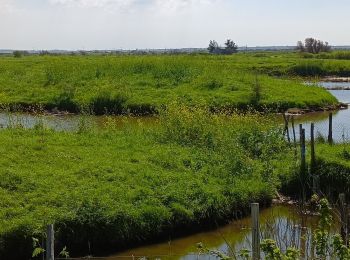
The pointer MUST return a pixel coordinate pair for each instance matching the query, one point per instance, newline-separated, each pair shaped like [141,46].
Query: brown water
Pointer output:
[283,223]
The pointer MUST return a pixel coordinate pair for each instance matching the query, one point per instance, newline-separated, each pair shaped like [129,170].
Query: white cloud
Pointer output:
[156,4]
[95,3]
[7,6]
[179,4]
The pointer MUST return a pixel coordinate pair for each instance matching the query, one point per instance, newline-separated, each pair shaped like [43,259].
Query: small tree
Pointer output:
[17,54]
[300,46]
[231,47]
[213,46]
[314,46]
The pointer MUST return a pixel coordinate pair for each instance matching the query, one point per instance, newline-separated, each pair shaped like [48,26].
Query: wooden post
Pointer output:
[330,129]
[50,241]
[286,127]
[294,137]
[255,231]
[312,150]
[303,152]
[343,218]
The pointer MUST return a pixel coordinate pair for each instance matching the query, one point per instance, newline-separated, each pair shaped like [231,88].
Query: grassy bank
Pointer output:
[109,188]
[143,84]
[333,166]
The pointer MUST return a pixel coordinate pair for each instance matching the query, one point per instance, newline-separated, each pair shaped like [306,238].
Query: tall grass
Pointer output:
[108,188]
[143,84]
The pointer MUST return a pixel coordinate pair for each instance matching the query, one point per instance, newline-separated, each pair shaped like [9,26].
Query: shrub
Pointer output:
[106,103]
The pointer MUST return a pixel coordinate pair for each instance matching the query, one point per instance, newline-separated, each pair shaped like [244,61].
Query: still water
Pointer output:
[285,224]
[341,118]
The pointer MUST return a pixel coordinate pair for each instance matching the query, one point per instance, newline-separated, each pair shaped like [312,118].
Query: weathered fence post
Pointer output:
[343,217]
[330,129]
[312,149]
[50,241]
[294,137]
[286,127]
[303,152]
[255,231]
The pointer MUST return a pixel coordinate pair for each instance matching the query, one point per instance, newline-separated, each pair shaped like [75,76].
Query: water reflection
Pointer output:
[68,122]
[341,119]
[341,125]
[282,223]
[334,85]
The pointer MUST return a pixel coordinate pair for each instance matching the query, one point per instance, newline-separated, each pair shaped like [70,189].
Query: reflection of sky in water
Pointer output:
[25,120]
[341,125]
[341,118]
[332,85]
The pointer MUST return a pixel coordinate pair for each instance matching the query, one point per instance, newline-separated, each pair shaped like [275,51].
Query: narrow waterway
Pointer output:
[341,118]
[285,224]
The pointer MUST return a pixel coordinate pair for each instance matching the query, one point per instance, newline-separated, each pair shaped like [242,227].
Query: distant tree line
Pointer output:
[19,54]
[314,46]
[230,47]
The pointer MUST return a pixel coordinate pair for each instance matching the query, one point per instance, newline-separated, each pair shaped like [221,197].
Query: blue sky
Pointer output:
[129,24]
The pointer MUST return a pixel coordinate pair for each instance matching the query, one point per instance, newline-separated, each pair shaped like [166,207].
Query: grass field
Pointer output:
[113,188]
[143,84]
[108,188]
[333,166]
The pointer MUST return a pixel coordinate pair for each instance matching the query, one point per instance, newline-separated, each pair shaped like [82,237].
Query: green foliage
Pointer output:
[115,186]
[341,251]
[143,84]
[273,252]
[321,235]
[336,55]
[19,54]
[333,167]
[307,69]
[37,248]
[256,93]
[64,253]
[105,103]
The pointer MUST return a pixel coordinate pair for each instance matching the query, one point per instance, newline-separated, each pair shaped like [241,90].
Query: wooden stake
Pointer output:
[255,231]
[286,127]
[294,136]
[330,129]
[313,157]
[303,153]
[50,242]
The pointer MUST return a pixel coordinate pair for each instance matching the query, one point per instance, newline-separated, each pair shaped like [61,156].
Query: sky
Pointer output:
[142,24]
